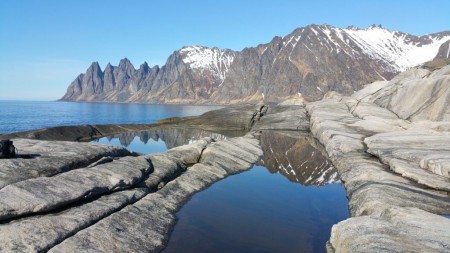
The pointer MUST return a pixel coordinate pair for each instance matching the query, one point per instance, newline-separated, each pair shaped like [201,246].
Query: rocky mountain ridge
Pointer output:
[306,63]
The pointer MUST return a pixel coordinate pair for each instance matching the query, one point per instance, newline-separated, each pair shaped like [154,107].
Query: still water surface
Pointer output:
[287,202]
[17,116]
[256,211]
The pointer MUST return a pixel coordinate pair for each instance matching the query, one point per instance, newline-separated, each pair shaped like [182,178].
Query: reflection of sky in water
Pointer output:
[270,208]
[137,145]
[446,216]
[256,211]
[157,140]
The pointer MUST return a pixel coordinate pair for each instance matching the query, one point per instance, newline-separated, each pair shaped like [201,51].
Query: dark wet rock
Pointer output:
[7,149]
[444,51]
[228,118]
[232,121]
[76,133]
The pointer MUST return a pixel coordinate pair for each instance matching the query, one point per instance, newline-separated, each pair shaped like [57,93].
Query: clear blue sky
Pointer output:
[45,44]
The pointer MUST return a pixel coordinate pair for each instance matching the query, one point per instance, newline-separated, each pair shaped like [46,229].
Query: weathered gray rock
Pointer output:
[348,128]
[144,225]
[437,163]
[415,95]
[40,233]
[48,158]
[283,118]
[372,197]
[420,155]
[225,119]
[294,101]
[111,222]
[357,168]
[368,90]
[171,164]
[48,193]
[372,187]
[190,154]
[421,176]
[396,230]
[440,126]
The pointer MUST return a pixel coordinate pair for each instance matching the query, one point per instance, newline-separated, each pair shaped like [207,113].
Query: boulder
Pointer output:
[7,149]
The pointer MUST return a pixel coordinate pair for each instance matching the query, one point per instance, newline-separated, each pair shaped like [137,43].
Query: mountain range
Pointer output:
[306,63]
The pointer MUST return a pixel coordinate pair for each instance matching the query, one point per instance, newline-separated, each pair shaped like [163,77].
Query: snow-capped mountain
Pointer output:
[308,62]
[398,50]
[215,60]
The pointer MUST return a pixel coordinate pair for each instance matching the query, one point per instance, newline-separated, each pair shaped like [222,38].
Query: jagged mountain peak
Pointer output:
[144,66]
[94,65]
[310,61]
[125,64]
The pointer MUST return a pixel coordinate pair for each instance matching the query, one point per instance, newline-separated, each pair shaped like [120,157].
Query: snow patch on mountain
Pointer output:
[399,51]
[393,47]
[215,60]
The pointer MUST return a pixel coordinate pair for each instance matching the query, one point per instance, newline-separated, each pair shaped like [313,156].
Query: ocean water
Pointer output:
[17,116]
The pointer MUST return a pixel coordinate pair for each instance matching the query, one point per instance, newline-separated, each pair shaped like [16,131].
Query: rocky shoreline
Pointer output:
[390,143]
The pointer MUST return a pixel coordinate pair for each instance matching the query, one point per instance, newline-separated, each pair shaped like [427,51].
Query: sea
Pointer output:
[18,116]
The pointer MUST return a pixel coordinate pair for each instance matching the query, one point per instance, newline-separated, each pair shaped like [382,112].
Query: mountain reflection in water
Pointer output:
[159,140]
[292,154]
[288,202]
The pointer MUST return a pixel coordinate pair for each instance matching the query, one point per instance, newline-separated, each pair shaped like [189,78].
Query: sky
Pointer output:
[46,44]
